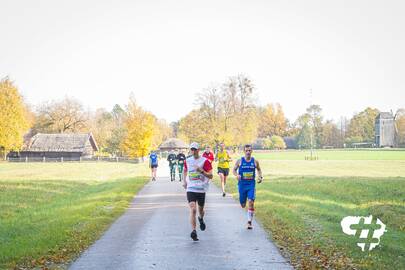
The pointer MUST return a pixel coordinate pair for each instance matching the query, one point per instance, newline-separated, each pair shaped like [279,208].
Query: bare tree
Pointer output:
[62,116]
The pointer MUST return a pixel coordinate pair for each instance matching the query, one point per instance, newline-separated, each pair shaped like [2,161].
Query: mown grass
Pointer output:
[51,212]
[301,204]
[338,154]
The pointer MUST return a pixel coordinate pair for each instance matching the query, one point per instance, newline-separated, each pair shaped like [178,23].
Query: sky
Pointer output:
[350,53]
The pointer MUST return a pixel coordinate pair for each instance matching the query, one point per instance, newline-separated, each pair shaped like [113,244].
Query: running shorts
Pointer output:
[196,197]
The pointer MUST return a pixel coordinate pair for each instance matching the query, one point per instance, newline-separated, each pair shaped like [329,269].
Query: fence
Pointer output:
[76,159]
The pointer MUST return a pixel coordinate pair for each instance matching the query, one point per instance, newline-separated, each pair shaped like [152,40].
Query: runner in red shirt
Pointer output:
[208,154]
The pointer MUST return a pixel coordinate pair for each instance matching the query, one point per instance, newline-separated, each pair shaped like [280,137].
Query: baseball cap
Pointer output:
[194,145]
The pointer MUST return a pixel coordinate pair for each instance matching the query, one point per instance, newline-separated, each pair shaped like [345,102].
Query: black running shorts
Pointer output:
[196,197]
[224,171]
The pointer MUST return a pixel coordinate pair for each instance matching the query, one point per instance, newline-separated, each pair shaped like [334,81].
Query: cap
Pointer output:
[194,145]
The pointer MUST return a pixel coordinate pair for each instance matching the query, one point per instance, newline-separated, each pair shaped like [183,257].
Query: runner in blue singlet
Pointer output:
[245,171]
[153,164]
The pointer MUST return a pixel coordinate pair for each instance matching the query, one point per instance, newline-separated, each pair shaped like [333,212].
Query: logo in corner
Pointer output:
[367,229]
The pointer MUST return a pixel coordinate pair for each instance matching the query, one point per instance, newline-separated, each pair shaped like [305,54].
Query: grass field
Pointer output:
[49,212]
[301,203]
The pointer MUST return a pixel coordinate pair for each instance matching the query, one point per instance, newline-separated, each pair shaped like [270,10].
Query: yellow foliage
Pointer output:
[139,125]
[13,117]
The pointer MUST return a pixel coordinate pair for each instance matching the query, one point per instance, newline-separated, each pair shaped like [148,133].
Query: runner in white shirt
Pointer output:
[197,174]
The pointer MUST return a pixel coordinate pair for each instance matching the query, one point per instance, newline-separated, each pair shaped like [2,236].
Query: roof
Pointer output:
[60,142]
[173,143]
[385,115]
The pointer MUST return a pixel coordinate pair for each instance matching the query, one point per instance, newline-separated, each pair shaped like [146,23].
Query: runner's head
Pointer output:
[222,146]
[207,149]
[248,151]
[195,149]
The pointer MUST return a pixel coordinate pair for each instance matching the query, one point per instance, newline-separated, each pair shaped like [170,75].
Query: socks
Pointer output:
[250,214]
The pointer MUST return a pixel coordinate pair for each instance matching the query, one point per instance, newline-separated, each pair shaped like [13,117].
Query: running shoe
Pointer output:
[193,235]
[223,194]
[202,224]
[249,225]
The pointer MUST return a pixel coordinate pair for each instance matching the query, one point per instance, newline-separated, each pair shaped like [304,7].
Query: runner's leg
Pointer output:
[193,213]
[221,176]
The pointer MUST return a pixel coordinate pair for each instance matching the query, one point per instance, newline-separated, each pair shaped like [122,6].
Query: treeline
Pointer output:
[123,131]
[226,112]
[229,112]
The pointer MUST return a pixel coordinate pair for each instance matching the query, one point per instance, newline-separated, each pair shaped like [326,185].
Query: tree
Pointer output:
[101,124]
[13,117]
[316,118]
[162,132]
[225,113]
[64,116]
[362,125]
[331,135]
[278,142]
[305,131]
[400,123]
[139,130]
[271,121]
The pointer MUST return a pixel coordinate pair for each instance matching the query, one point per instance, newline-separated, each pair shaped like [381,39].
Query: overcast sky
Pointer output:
[351,53]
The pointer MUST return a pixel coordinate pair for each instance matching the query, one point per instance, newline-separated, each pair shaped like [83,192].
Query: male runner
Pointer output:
[223,159]
[208,154]
[181,158]
[245,171]
[153,164]
[197,174]
[172,158]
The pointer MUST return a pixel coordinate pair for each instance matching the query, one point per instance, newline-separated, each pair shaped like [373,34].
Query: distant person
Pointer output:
[172,159]
[245,171]
[223,159]
[197,174]
[208,154]
[153,164]
[181,158]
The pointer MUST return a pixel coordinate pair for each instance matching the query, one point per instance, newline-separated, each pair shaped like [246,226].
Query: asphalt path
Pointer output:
[154,233]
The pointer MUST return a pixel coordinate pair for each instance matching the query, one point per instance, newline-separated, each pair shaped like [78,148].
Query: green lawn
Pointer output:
[301,204]
[52,211]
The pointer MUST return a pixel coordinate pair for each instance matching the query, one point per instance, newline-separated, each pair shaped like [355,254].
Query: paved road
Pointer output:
[155,234]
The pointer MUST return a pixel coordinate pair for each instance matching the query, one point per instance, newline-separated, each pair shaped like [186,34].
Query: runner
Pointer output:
[245,171]
[197,174]
[172,158]
[180,164]
[223,159]
[208,154]
[153,164]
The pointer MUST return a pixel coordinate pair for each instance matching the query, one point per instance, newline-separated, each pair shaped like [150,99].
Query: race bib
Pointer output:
[247,175]
[194,176]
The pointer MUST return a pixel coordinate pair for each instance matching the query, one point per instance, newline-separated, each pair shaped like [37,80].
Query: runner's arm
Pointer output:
[259,171]
[206,170]
[184,175]
[235,169]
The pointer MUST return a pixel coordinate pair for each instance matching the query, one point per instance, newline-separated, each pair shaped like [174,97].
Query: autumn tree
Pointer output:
[331,135]
[224,113]
[101,124]
[362,126]
[63,116]
[13,117]
[271,121]
[139,130]
[162,132]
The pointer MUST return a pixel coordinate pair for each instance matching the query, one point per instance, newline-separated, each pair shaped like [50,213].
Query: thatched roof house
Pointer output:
[173,144]
[66,145]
